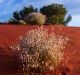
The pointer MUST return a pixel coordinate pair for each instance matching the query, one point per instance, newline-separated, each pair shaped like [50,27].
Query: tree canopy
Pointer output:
[55,14]
[19,15]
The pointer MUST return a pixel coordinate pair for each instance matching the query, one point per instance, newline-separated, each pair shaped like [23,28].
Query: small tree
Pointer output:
[40,51]
[35,18]
[56,14]
[19,15]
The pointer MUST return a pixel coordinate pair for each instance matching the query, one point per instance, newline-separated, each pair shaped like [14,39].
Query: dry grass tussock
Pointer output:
[40,50]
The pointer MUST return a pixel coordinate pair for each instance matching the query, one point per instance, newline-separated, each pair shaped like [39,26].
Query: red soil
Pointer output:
[9,35]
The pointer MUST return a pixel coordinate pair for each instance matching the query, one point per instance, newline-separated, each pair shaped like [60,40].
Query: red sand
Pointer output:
[9,35]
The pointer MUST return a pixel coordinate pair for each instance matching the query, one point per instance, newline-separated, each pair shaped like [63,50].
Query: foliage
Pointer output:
[67,20]
[40,51]
[19,15]
[56,19]
[26,10]
[13,21]
[22,22]
[35,18]
[56,14]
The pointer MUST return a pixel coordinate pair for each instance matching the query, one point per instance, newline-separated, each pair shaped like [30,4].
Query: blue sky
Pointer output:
[7,7]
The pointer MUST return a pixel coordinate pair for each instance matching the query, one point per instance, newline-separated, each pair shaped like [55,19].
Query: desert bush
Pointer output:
[22,22]
[41,51]
[12,21]
[19,15]
[56,14]
[35,18]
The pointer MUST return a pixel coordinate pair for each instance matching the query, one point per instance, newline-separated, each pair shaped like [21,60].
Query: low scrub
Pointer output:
[35,18]
[40,51]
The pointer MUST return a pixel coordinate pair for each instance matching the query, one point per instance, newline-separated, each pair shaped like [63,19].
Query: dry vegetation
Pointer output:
[40,51]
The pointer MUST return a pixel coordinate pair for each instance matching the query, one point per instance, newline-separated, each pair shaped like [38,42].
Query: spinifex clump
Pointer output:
[41,51]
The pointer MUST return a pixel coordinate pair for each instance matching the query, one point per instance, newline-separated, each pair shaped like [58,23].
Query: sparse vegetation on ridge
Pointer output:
[55,14]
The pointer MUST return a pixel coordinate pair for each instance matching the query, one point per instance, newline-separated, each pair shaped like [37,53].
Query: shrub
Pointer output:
[22,22]
[56,14]
[56,19]
[13,21]
[41,51]
[35,18]
[19,15]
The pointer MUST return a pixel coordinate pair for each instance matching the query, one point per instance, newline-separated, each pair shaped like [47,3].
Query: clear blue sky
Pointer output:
[7,7]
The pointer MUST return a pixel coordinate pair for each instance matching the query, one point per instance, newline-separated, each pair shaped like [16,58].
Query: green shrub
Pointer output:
[56,14]
[13,21]
[56,19]
[35,18]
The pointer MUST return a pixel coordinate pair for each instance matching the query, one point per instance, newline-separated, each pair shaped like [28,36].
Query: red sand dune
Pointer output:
[9,35]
